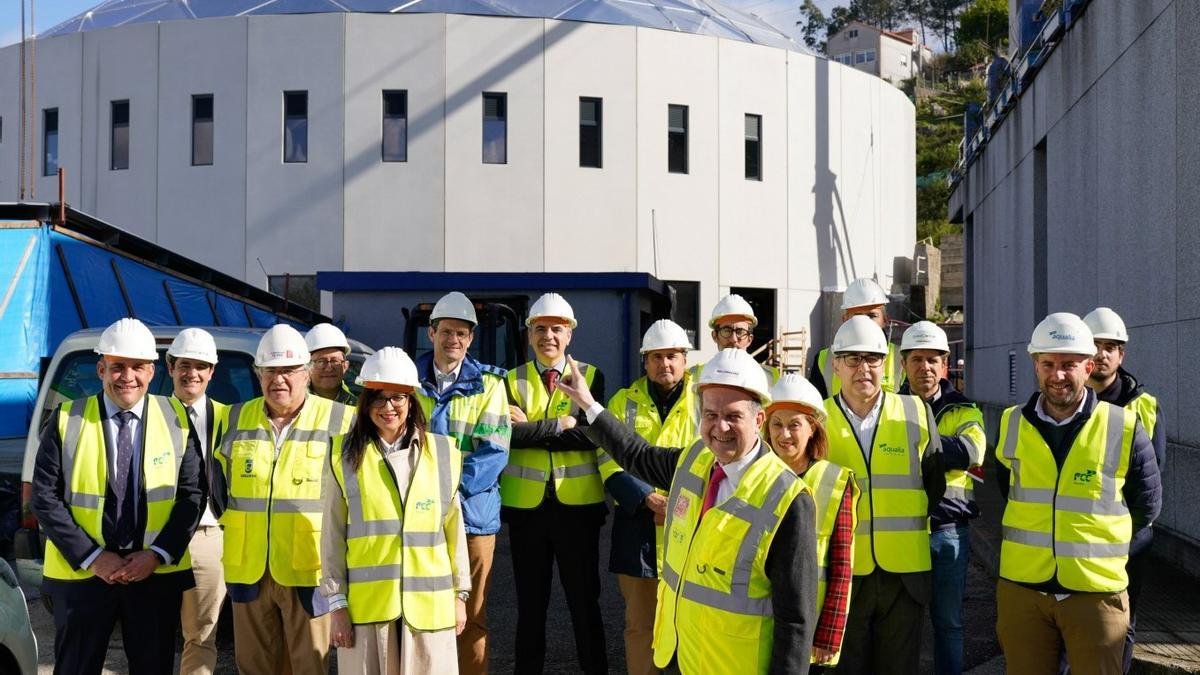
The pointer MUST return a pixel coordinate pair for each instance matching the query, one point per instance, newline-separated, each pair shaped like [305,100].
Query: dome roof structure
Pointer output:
[701,17]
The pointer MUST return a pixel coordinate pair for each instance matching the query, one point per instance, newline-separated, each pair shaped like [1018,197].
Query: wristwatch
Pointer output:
[464,595]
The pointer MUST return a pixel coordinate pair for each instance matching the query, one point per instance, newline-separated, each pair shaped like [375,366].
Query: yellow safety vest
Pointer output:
[893,371]
[636,408]
[893,512]
[1146,407]
[273,515]
[576,473]
[829,482]
[713,580]
[1069,524]
[84,464]
[965,422]
[398,559]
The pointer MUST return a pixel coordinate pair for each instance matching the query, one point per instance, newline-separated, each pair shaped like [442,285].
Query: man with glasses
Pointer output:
[329,349]
[890,442]
[863,297]
[271,453]
[732,323]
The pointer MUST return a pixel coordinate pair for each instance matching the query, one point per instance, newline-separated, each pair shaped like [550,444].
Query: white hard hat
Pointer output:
[1062,333]
[665,334]
[736,368]
[127,338]
[732,305]
[860,334]
[1106,324]
[454,305]
[194,343]
[551,305]
[388,367]
[281,345]
[863,292]
[326,336]
[793,391]
[925,335]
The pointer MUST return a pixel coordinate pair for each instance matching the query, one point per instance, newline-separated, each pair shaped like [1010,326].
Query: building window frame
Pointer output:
[393,141]
[203,129]
[495,127]
[677,139]
[50,138]
[591,132]
[753,129]
[295,126]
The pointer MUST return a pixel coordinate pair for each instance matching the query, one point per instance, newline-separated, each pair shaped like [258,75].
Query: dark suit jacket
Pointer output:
[56,521]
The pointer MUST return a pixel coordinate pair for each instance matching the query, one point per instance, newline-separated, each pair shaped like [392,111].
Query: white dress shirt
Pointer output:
[445,380]
[734,472]
[864,427]
[1041,411]
[199,421]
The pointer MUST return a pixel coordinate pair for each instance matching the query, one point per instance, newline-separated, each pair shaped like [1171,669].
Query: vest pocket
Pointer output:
[306,544]
[233,526]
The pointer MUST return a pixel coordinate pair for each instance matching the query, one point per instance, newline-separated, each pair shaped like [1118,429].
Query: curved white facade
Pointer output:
[836,201]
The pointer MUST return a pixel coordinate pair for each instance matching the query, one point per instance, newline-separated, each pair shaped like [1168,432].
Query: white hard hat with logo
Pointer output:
[553,306]
[388,368]
[127,338]
[326,336]
[1106,324]
[736,368]
[454,305]
[732,305]
[925,335]
[859,334]
[194,343]
[794,392]
[1062,333]
[665,334]
[281,346]
[863,292]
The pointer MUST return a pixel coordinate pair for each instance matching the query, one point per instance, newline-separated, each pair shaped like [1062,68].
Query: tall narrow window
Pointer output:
[754,147]
[119,138]
[495,128]
[395,125]
[202,130]
[591,131]
[50,141]
[677,138]
[295,126]
[1,129]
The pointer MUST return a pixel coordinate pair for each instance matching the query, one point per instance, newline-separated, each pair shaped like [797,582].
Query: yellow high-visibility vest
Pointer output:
[713,582]
[273,516]
[893,511]
[965,422]
[829,483]
[893,371]
[85,473]
[1146,407]
[398,558]
[576,473]
[1069,524]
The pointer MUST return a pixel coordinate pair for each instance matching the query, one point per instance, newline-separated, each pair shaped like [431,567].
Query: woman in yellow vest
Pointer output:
[393,549]
[796,429]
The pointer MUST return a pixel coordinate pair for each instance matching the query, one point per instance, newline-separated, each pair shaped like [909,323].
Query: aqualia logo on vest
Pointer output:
[1084,477]
[890,449]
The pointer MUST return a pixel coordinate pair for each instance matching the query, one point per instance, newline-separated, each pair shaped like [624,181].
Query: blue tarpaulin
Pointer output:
[23,323]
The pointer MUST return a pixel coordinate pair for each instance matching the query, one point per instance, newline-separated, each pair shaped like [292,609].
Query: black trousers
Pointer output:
[570,536]
[85,613]
[883,627]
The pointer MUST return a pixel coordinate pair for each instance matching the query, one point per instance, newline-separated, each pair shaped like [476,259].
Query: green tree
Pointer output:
[812,22]
[985,21]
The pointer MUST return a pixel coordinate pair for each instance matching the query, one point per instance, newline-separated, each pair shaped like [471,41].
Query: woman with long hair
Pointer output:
[393,545]
[795,428]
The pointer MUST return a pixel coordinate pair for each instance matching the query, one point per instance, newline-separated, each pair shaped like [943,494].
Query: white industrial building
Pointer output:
[252,136]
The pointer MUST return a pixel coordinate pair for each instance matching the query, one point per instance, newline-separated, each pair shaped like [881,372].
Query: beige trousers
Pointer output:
[472,644]
[1034,628]
[202,605]
[394,648]
[273,631]
[641,596]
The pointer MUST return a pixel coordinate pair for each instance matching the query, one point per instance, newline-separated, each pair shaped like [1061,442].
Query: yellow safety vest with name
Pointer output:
[84,464]
[273,515]
[713,582]
[1069,524]
[893,371]
[398,559]
[829,483]
[576,473]
[965,422]
[893,511]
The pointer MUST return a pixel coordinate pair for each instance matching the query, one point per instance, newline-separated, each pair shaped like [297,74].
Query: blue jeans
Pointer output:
[951,551]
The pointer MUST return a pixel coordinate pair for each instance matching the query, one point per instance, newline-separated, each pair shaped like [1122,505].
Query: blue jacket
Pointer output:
[479,489]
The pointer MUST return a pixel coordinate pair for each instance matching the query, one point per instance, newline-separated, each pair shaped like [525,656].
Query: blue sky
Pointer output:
[782,13]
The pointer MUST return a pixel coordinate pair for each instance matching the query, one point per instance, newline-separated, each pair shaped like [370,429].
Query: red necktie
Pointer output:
[710,495]
[550,379]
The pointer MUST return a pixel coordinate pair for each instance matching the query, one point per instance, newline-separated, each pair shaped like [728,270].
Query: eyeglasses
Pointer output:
[856,360]
[730,331]
[397,400]
[327,364]
[288,372]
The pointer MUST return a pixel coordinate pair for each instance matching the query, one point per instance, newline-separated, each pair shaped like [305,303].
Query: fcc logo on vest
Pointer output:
[1084,477]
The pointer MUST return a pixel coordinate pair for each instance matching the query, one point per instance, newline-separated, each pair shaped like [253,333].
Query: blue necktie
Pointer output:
[123,485]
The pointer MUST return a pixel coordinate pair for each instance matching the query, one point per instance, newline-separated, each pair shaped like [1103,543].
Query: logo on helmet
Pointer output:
[1055,335]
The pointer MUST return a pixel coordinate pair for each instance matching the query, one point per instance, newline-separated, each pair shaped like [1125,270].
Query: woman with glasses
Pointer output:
[393,549]
[795,427]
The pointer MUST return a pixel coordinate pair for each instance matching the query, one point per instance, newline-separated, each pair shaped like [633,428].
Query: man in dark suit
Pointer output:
[117,491]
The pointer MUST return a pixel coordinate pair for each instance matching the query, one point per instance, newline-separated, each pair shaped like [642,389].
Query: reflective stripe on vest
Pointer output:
[1146,407]
[713,572]
[965,422]
[273,517]
[828,483]
[893,371]
[1070,523]
[893,524]
[576,473]
[84,462]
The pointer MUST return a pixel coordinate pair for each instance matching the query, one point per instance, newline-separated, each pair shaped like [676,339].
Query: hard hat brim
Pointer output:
[712,323]
[132,357]
[819,413]
[866,349]
[558,319]
[764,399]
[379,384]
